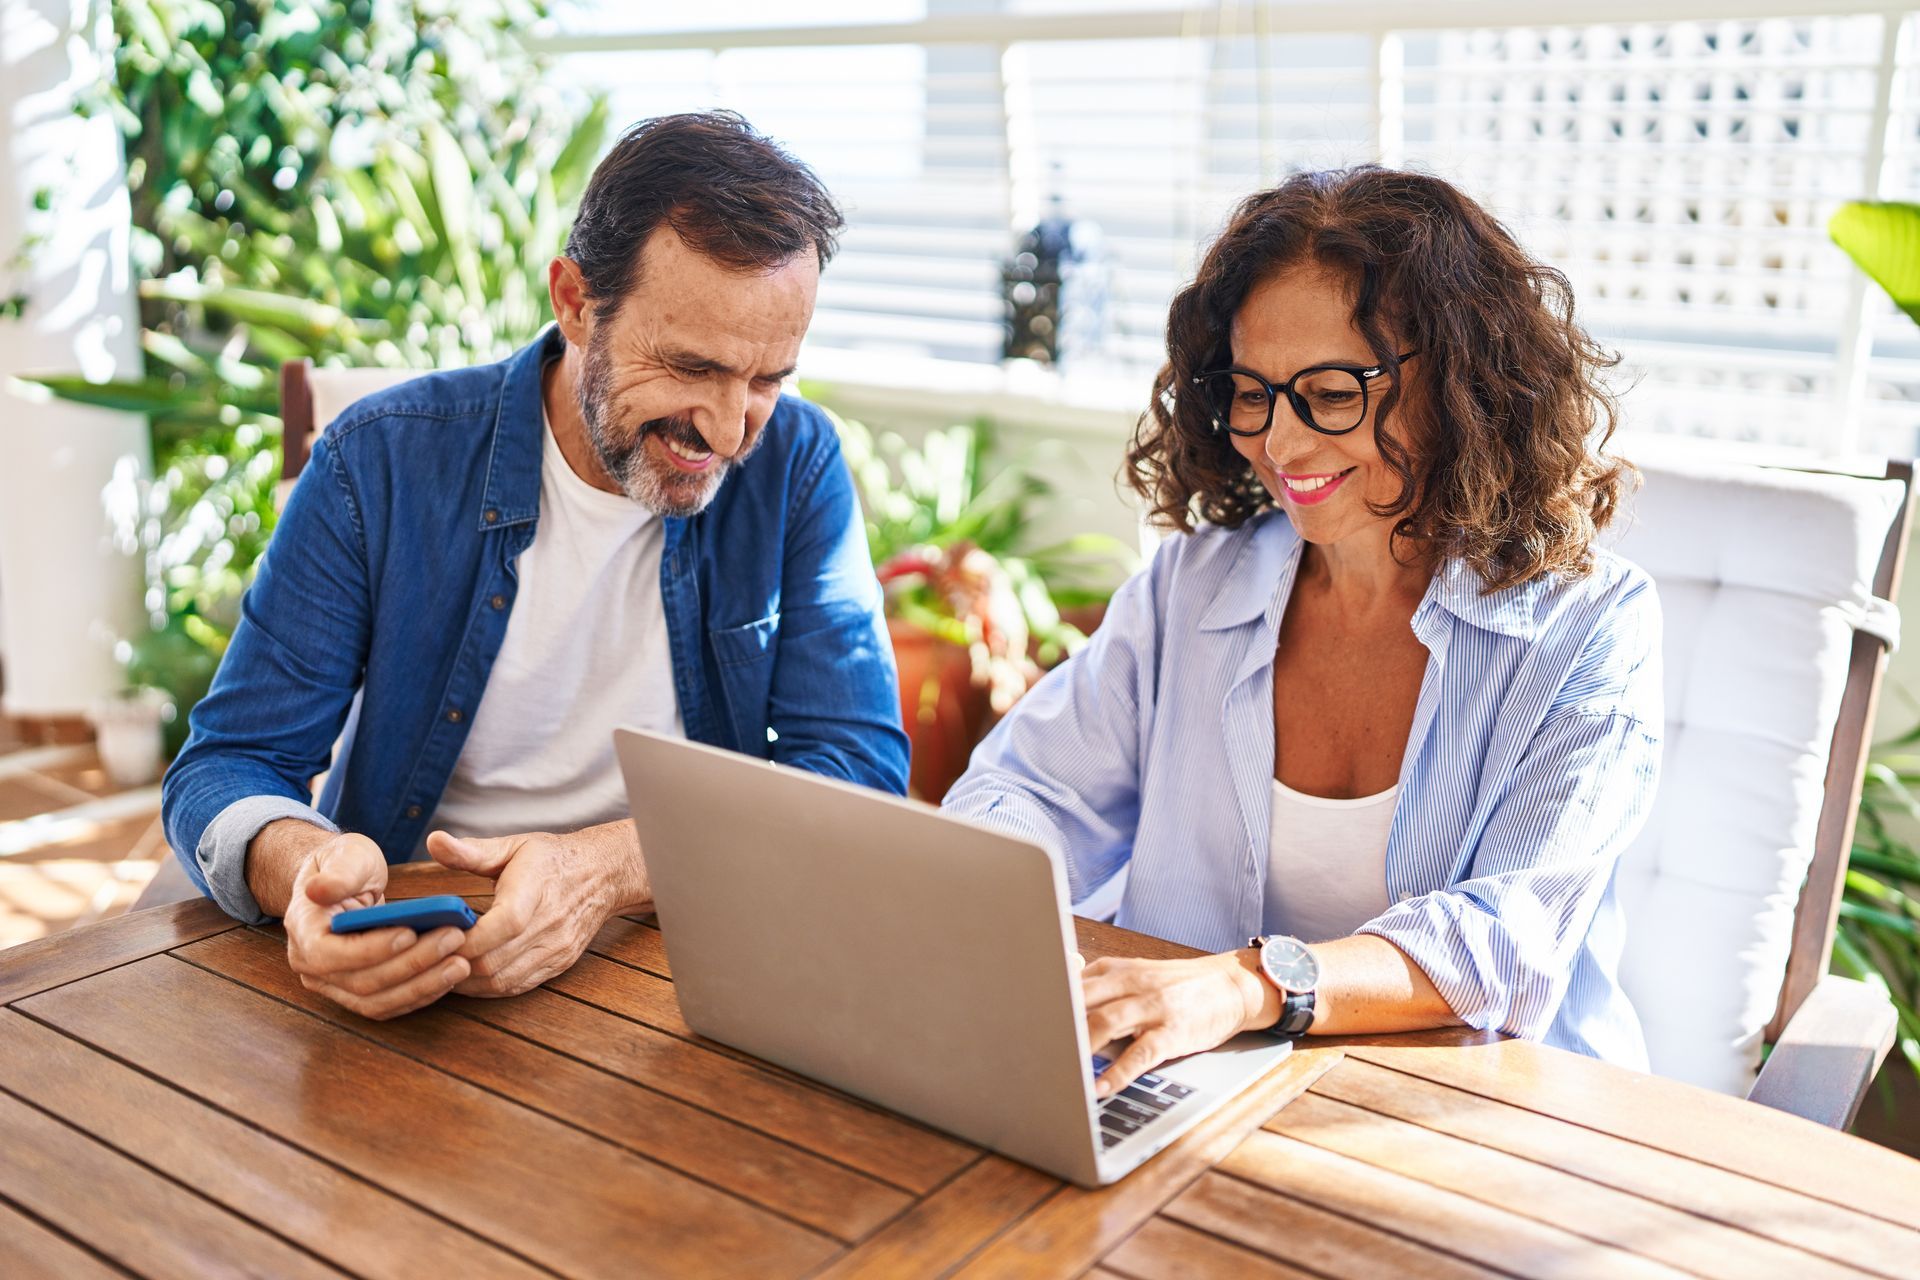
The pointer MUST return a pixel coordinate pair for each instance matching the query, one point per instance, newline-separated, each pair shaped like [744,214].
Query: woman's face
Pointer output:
[1295,320]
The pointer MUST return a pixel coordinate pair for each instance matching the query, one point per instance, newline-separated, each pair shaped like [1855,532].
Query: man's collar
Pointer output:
[513,466]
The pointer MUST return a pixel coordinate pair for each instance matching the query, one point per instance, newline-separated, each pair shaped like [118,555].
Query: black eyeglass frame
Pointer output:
[1363,374]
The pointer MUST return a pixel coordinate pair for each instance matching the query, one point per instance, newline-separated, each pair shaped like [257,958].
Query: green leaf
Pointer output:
[1883,239]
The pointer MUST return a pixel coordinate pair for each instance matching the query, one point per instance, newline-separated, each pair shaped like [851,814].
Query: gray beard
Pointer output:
[654,486]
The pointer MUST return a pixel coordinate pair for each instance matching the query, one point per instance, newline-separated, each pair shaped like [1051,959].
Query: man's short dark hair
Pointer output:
[729,192]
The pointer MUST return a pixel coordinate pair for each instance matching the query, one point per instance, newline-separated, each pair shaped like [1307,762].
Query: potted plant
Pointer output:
[336,182]
[1878,940]
[974,609]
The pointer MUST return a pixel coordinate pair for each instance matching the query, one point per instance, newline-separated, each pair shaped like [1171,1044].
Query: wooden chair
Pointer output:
[1830,1034]
[1774,586]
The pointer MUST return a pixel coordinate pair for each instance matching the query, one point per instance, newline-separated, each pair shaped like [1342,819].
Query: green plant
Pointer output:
[368,182]
[952,543]
[1879,934]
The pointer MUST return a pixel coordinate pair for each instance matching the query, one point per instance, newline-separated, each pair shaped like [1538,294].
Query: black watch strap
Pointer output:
[1296,1014]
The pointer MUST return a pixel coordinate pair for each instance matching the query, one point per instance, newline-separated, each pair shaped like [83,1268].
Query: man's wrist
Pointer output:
[624,871]
[274,858]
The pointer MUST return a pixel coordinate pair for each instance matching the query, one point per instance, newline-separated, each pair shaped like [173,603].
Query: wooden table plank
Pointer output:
[631,942]
[1703,1189]
[1315,1238]
[612,1021]
[1168,1250]
[1754,1141]
[948,1226]
[35,1253]
[529,1183]
[256,1176]
[1539,1191]
[427,879]
[46,963]
[1438,1218]
[1071,1231]
[144,1222]
[775,1175]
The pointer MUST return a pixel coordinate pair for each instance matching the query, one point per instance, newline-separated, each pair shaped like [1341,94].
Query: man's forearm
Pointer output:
[274,857]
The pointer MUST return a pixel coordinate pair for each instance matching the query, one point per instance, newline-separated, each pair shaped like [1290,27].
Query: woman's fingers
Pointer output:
[1143,1055]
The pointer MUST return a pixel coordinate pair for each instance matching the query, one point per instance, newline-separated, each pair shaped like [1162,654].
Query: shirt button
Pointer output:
[499,602]
[453,715]
[413,811]
[492,516]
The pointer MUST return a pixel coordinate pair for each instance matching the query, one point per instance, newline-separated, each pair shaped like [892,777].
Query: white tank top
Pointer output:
[1326,863]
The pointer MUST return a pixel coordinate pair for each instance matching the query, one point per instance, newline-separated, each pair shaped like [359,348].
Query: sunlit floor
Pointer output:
[74,848]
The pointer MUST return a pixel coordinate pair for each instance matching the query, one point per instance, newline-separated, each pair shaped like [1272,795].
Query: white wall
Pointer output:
[65,593]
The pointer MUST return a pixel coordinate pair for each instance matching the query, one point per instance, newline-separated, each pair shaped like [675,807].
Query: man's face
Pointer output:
[678,384]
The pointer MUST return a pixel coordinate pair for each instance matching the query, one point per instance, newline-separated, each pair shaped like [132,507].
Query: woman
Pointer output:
[1381,705]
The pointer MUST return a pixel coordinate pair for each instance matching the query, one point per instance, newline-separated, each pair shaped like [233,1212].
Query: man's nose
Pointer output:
[725,425]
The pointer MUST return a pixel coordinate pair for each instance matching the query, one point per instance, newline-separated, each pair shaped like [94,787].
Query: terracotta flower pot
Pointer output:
[944,714]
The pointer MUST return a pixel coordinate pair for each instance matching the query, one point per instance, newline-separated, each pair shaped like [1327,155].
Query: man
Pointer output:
[492,568]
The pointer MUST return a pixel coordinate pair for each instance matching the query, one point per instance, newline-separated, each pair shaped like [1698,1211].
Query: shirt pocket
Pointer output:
[738,646]
[745,658]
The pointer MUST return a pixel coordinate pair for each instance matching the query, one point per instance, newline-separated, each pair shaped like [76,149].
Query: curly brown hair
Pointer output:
[1506,472]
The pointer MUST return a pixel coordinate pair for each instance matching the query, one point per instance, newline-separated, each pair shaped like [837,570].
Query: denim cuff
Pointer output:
[222,852]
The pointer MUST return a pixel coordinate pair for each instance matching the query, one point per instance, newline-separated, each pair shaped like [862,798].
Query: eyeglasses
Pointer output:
[1330,398]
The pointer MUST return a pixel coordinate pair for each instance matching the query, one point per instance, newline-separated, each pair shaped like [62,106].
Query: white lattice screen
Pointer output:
[1680,172]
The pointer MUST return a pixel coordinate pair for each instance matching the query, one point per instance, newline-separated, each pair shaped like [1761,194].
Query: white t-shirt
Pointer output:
[585,652]
[1326,863]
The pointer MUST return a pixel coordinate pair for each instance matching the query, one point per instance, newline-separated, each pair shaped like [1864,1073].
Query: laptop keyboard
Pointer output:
[1141,1103]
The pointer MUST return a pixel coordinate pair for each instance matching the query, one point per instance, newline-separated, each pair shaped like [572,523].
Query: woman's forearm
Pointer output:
[1369,985]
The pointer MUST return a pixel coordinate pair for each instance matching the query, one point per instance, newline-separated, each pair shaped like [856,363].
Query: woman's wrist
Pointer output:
[1260,999]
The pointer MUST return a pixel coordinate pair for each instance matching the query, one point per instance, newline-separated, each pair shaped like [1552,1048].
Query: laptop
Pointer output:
[917,961]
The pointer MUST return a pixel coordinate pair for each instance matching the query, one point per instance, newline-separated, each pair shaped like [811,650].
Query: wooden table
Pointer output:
[173,1103]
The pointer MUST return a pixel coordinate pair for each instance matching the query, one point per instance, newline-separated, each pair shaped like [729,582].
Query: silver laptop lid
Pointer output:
[869,943]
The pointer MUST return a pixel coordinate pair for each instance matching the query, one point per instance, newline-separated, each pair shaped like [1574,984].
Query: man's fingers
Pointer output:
[413,994]
[314,949]
[481,857]
[415,960]
[503,922]
[345,869]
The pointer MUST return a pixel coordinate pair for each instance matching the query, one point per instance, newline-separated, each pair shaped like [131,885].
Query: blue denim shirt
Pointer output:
[384,597]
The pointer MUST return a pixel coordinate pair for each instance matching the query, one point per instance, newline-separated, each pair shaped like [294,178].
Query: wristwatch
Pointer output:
[1288,965]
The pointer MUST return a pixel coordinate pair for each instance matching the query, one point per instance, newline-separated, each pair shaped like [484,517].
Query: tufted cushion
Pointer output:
[335,390]
[1763,577]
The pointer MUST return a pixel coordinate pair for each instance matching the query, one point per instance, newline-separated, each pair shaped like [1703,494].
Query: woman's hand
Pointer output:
[1171,1008]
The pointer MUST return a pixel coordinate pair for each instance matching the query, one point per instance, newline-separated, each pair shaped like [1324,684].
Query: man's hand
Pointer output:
[381,973]
[1171,1008]
[551,895]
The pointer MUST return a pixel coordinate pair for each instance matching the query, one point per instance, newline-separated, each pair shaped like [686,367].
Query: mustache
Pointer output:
[676,430]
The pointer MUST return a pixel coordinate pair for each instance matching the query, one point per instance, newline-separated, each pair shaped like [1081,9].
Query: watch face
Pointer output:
[1289,964]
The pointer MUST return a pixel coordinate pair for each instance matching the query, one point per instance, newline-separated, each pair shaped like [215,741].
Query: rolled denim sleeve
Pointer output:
[1063,768]
[282,693]
[222,851]
[834,704]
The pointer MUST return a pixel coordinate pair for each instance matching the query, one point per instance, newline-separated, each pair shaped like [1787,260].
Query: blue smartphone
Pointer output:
[417,914]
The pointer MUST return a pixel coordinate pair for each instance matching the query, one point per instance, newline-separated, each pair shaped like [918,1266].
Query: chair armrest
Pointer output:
[1828,1053]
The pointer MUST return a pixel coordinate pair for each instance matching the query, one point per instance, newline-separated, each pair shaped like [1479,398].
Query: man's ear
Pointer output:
[572,309]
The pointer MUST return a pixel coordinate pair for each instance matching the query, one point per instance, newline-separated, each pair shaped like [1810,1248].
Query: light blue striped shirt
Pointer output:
[1532,764]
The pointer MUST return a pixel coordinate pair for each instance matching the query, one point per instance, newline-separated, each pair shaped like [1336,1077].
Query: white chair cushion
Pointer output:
[335,389]
[1763,577]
